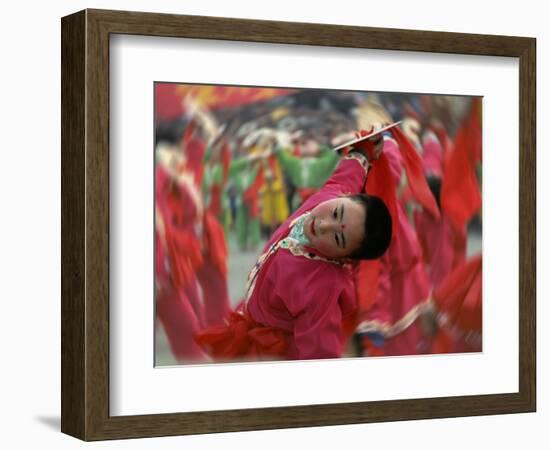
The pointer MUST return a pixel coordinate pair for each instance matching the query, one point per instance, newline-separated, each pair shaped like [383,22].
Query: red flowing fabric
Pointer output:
[184,253]
[242,337]
[442,342]
[459,296]
[460,193]
[178,212]
[214,240]
[415,172]
[381,183]
[366,276]
[250,195]
[444,140]
[215,204]
[194,149]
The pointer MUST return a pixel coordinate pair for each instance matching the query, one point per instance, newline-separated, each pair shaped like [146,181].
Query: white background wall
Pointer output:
[30,225]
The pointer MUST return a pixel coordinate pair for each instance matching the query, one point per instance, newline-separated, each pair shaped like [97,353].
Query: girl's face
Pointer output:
[336,227]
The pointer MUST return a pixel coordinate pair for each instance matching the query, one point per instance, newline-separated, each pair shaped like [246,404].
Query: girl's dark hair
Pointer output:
[378,227]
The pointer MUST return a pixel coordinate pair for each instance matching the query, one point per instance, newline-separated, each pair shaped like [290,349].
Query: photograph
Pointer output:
[295,223]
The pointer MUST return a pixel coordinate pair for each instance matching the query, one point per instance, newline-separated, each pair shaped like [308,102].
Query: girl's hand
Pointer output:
[371,147]
[378,142]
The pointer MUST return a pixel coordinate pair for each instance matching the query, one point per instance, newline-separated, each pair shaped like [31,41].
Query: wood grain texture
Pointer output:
[85,224]
[151,24]
[73,108]
[97,226]
[527,223]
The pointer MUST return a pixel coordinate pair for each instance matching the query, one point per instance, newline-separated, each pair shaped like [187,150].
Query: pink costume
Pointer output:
[297,301]
[403,287]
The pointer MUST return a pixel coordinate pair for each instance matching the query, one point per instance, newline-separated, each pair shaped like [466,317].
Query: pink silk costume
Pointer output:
[297,300]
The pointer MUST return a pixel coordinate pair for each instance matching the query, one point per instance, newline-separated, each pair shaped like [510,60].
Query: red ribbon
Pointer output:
[242,337]
[381,183]
[415,172]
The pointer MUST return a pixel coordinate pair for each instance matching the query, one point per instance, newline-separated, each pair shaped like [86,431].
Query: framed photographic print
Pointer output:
[270,224]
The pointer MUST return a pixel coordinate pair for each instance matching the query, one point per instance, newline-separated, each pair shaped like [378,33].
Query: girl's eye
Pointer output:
[334,214]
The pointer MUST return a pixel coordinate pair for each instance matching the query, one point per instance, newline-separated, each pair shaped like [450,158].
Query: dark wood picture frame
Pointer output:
[85,224]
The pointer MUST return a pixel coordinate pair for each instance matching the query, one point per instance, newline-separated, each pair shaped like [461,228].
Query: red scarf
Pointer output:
[380,181]
[460,193]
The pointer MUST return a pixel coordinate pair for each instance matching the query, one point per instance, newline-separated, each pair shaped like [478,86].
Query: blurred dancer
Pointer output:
[177,255]
[191,251]
[457,296]
[247,177]
[308,169]
[443,243]
[274,205]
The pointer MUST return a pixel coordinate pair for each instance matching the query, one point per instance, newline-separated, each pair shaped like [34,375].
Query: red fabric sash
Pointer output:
[242,337]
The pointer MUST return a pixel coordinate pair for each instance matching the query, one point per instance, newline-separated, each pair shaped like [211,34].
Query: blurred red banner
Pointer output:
[169,97]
